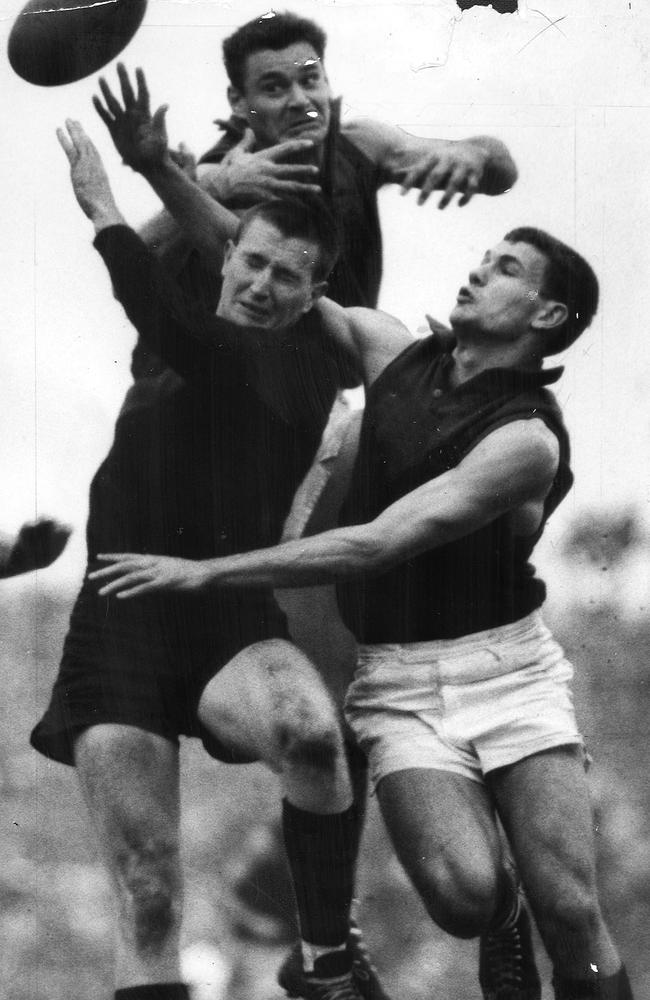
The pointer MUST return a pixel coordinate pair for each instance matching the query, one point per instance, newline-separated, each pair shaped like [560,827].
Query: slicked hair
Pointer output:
[308,220]
[271,31]
[569,279]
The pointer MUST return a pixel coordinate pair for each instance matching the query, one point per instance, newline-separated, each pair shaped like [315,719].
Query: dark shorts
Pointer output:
[146,662]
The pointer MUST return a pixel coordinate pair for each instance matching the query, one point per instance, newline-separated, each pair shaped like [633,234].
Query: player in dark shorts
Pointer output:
[213,465]
[461,696]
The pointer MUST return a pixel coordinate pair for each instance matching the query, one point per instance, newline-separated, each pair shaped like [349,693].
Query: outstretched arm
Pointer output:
[511,470]
[244,177]
[481,164]
[141,140]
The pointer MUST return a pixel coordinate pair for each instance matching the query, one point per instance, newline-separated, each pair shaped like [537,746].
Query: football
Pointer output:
[54,42]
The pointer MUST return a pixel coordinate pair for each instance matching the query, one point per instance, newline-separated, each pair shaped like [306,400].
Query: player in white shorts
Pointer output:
[461,697]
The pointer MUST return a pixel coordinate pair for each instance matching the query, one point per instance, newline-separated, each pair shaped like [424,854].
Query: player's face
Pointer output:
[268,278]
[504,294]
[286,95]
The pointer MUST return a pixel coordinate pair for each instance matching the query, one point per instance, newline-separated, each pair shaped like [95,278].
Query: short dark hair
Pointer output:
[568,279]
[271,31]
[308,220]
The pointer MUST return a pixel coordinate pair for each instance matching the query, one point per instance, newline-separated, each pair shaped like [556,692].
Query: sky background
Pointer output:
[565,86]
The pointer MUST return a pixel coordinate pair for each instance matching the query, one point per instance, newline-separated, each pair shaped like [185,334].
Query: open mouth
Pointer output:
[464,295]
[311,121]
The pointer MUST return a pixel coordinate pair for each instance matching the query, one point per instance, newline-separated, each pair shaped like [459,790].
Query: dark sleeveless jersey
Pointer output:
[416,427]
[210,468]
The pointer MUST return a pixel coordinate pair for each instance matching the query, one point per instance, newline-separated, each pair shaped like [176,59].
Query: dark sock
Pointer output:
[358,767]
[616,987]
[155,991]
[322,852]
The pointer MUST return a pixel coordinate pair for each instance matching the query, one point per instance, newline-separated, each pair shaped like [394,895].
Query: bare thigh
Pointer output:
[444,831]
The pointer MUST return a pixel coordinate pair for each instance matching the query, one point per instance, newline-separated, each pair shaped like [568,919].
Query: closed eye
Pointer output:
[255,261]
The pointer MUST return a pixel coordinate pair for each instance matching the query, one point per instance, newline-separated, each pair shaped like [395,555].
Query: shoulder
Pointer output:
[529,445]
[373,325]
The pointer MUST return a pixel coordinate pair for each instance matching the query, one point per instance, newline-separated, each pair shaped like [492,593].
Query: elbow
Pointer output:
[381,547]
[372,551]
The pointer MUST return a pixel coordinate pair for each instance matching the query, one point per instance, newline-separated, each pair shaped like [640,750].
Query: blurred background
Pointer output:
[565,86]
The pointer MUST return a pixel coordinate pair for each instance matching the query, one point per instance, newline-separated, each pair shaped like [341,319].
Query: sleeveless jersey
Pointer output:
[416,427]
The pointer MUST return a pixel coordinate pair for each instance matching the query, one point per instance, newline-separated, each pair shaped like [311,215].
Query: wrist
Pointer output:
[153,169]
[103,216]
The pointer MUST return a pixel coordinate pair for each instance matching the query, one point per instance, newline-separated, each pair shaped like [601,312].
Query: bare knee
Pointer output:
[307,730]
[270,699]
[148,880]
[310,740]
[462,903]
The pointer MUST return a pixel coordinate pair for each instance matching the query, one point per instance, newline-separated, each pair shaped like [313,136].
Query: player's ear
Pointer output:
[227,254]
[318,289]
[551,314]
[237,102]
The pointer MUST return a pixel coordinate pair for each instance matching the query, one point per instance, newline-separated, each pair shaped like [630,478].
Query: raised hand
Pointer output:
[89,178]
[36,546]
[132,575]
[456,168]
[139,137]
[248,176]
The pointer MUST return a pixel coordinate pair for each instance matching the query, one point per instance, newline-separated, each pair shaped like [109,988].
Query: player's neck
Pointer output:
[471,358]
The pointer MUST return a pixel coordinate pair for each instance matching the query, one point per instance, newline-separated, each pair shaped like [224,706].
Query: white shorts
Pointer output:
[467,705]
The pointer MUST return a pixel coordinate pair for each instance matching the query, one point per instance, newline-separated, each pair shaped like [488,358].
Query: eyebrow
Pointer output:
[503,258]
[270,74]
[308,64]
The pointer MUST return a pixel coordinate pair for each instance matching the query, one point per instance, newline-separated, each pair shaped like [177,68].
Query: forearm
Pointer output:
[335,555]
[103,212]
[200,219]
[162,233]
[305,562]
